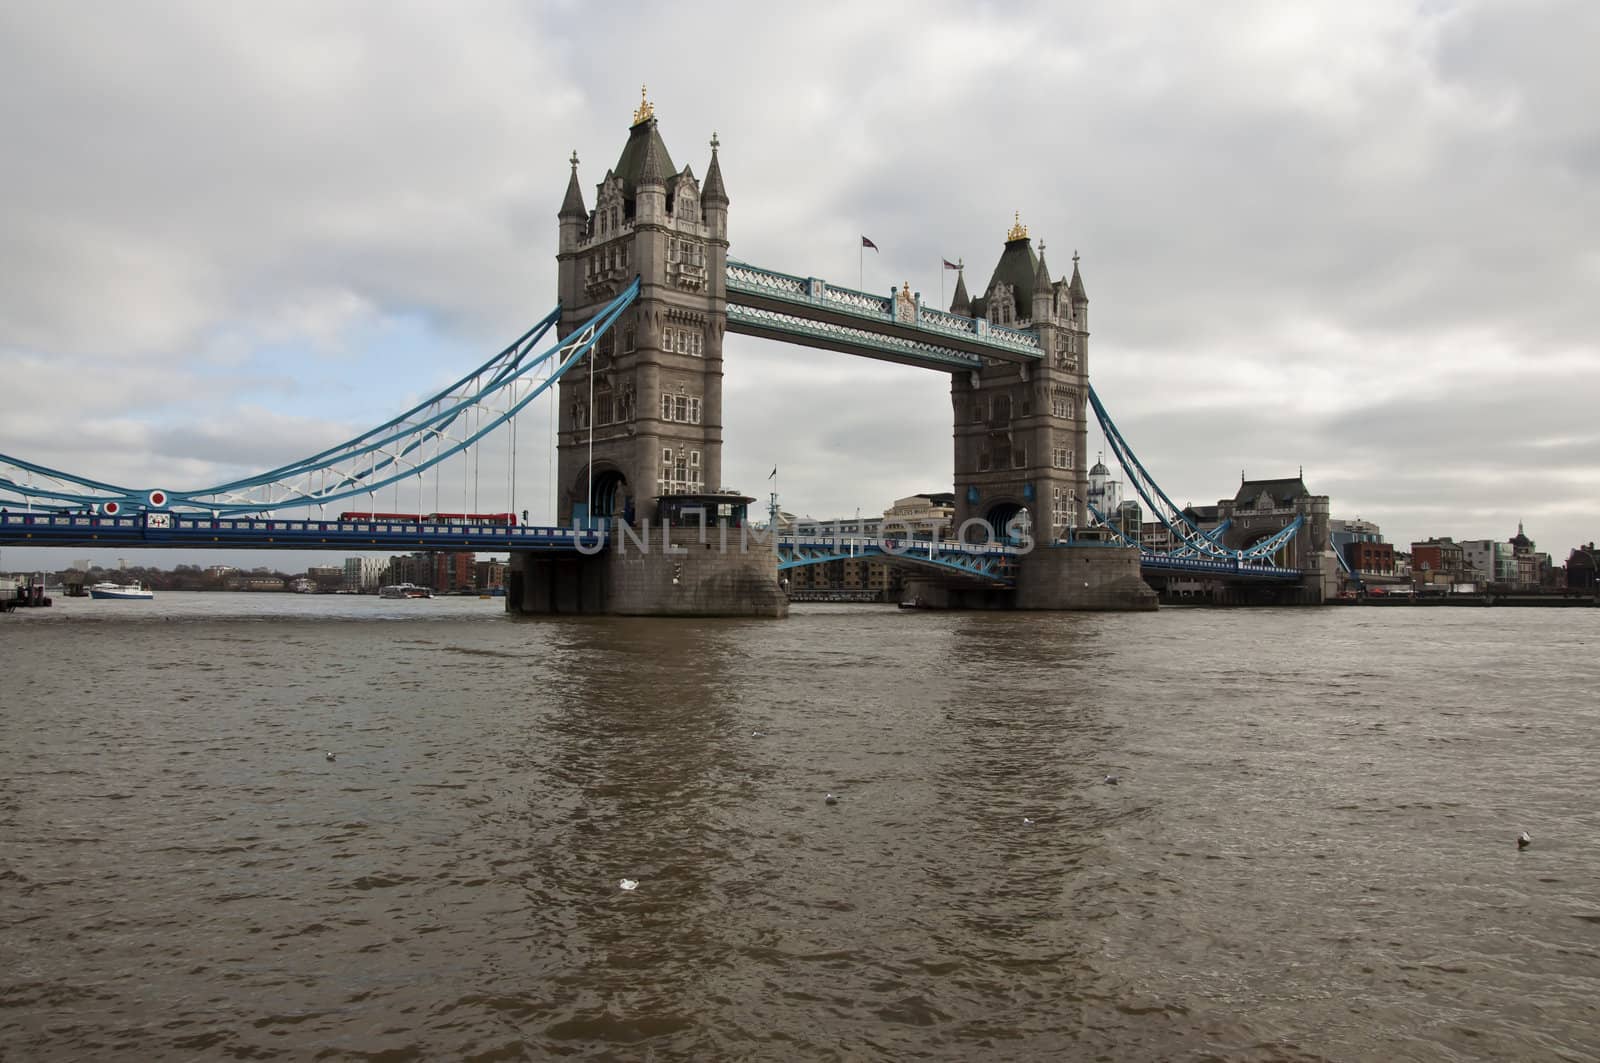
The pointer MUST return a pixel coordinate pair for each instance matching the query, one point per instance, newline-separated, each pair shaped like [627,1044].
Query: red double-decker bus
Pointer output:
[471,518]
[431,518]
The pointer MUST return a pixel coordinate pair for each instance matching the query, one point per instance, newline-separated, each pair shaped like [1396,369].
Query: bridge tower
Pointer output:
[1021,443]
[1020,434]
[653,391]
[640,421]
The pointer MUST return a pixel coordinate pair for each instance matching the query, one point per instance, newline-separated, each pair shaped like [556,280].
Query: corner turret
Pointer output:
[1080,298]
[1043,293]
[961,303]
[714,197]
[573,213]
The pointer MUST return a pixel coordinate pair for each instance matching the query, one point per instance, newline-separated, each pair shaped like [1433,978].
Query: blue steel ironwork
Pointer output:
[994,565]
[1214,534]
[1355,577]
[1191,538]
[1257,554]
[359,466]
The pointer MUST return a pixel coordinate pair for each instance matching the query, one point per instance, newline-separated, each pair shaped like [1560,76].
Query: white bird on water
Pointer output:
[1026,822]
[628,884]
[830,800]
[1112,780]
[329,757]
[1523,841]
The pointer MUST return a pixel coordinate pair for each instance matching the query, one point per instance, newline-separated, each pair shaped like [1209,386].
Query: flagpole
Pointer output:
[861,267]
[941,284]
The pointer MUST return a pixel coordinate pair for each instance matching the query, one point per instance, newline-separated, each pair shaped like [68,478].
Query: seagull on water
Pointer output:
[329,757]
[830,800]
[1523,841]
[1026,822]
[1112,780]
[628,884]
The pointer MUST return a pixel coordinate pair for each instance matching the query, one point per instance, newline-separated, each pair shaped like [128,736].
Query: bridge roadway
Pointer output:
[277,533]
[202,531]
[991,564]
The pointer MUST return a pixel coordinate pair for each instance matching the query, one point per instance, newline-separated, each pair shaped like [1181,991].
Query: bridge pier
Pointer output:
[1066,578]
[1096,577]
[623,580]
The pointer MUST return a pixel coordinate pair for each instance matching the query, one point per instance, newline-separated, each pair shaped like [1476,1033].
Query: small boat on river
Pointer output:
[121,592]
[404,590]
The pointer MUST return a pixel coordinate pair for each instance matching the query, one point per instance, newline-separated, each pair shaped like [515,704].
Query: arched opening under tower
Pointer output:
[605,499]
[1010,521]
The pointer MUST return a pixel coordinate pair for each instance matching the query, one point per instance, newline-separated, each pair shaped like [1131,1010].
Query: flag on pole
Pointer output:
[773,473]
[950,265]
[868,243]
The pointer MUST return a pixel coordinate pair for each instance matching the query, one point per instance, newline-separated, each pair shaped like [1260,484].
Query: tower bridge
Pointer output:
[647,294]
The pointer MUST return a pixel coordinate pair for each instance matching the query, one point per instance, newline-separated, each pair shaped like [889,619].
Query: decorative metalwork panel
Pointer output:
[1014,338]
[856,302]
[946,322]
[752,278]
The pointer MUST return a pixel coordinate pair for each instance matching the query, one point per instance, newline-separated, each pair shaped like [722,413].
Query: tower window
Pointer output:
[684,409]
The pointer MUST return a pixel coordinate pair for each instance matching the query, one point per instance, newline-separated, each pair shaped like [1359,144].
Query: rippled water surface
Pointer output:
[1310,855]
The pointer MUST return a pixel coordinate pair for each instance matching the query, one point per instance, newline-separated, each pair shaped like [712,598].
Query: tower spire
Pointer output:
[1075,289]
[961,303]
[572,206]
[714,192]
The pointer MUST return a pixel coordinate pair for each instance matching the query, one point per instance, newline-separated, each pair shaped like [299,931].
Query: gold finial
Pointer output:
[1018,231]
[647,110]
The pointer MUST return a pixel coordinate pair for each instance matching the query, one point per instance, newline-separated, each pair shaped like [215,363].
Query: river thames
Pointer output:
[1310,852]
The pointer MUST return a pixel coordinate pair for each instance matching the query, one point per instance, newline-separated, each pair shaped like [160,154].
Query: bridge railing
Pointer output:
[203,527]
[1230,567]
[900,545]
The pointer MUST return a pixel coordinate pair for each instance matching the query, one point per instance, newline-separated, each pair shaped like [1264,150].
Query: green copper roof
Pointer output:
[1016,267]
[630,165]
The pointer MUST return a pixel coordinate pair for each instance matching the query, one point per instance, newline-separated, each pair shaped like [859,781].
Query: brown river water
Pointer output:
[1310,853]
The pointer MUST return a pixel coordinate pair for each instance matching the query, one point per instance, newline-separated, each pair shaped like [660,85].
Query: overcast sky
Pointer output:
[1358,238]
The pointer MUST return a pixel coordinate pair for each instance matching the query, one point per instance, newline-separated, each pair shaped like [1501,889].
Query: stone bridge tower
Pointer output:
[647,405]
[656,377]
[1021,440]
